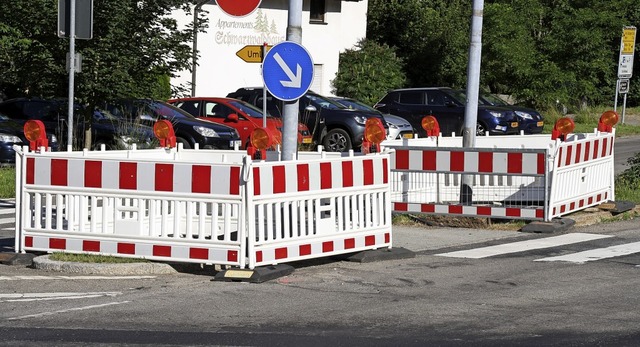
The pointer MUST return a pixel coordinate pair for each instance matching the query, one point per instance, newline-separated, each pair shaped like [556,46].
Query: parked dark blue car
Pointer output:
[531,121]
[448,107]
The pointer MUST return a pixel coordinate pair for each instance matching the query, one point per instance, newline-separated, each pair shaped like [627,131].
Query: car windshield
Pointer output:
[493,100]
[324,102]
[166,111]
[247,108]
[356,105]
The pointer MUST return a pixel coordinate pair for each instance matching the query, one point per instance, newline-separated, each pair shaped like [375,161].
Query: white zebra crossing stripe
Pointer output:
[7,220]
[597,254]
[523,246]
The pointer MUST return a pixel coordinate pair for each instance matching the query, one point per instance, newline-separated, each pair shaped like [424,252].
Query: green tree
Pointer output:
[367,72]
[135,46]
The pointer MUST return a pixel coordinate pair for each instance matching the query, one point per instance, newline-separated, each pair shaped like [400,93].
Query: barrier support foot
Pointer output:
[23,259]
[257,275]
[380,255]
[555,225]
[617,207]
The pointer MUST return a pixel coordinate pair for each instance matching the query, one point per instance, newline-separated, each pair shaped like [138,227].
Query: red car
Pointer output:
[238,114]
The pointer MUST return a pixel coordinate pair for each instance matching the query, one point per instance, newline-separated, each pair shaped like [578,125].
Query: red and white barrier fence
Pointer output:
[201,206]
[528,177]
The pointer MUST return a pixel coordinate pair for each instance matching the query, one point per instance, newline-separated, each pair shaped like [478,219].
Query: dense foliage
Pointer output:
[136,47]
[541,51]
[368,71]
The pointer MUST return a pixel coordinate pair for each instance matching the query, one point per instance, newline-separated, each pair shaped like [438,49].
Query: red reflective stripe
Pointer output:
[259,256]
[281,253]
[90,246]
[198,253]
[385,171]
[428,208]
[367,166]
[279,179]
[387,238]
[485,162]
[578,152]
[596,143]
[369,240]
[126,248]
[28,241]
[161,251]
[31,170]
[605,142]
[93,174]
[457,161]
[541,162]
[514,163]
[59,172]
[347,174]
[568,158]
[234,181]
[484,211]
[513,212]
[455,209]
[540,213]
[55,243]
[201,179]
[303,177]
[429,160]
[256,181]
[349,243]
[128,175]
[587,150]
[325,176]
[400,206]
[327,246]
[164,177]
[402,160]
[232,256]
[304,250]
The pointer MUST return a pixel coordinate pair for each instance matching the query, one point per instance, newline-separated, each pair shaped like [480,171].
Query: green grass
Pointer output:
[92,258]
[586,120]
[7,182]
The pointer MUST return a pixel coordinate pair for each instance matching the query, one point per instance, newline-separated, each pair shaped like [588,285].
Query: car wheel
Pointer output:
[481,130]
[337,140]
[185,143]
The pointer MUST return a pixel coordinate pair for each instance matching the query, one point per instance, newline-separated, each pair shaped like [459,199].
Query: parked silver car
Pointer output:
[398,127]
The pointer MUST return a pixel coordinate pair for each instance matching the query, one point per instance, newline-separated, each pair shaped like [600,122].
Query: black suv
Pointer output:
[448,106]
[189,130]
[333,125]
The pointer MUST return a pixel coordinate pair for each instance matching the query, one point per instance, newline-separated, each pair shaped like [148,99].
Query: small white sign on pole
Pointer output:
[627,45]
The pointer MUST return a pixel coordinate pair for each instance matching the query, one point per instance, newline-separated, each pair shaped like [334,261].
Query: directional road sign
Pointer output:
[287,71]
[625,62]
[238,8]
[252,53]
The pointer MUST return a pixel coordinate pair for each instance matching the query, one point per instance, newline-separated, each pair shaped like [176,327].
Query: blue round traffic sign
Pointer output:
[287,71]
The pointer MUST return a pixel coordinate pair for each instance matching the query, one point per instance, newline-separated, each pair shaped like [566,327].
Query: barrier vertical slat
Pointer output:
[94,221]
[47,223]
[37,211]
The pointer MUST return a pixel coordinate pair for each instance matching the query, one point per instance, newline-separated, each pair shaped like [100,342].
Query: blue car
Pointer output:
[448,107]
[531,121]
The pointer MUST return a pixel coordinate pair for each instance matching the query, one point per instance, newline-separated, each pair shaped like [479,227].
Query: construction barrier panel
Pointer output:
[201,206]
[514,177]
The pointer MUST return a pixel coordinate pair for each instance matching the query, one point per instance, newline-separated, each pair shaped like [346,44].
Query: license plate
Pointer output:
[306,140]
[541,123]
[233,143]
[407,136]
[514,124]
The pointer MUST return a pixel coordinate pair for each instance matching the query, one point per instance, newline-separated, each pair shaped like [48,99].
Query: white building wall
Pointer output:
[221,71]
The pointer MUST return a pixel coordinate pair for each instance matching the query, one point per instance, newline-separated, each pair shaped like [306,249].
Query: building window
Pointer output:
[317,11]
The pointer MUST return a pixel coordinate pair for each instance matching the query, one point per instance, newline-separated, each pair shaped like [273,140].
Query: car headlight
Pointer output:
[360,119]
[10,138]
[496,114]
[206,132]
[524,115]
[391,126]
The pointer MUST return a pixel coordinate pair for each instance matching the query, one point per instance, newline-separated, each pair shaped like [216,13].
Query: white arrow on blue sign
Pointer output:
[287,71]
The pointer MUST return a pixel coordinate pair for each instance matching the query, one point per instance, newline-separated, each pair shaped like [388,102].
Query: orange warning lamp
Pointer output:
[431,125]
[607,120]
[261,139]
[562,128]
[374,133]
[164,132]
[35,133]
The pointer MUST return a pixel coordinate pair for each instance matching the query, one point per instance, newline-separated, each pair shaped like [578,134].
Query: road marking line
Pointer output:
[24,278]
[597,254]
[37,315]
[521,246]
[23,297]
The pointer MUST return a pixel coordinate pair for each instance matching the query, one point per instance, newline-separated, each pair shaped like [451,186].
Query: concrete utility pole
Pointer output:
[290,114]
[473,85]
[72,72]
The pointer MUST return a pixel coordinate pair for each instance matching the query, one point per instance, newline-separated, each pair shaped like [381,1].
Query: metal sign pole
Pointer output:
[72,72]
[290,114]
